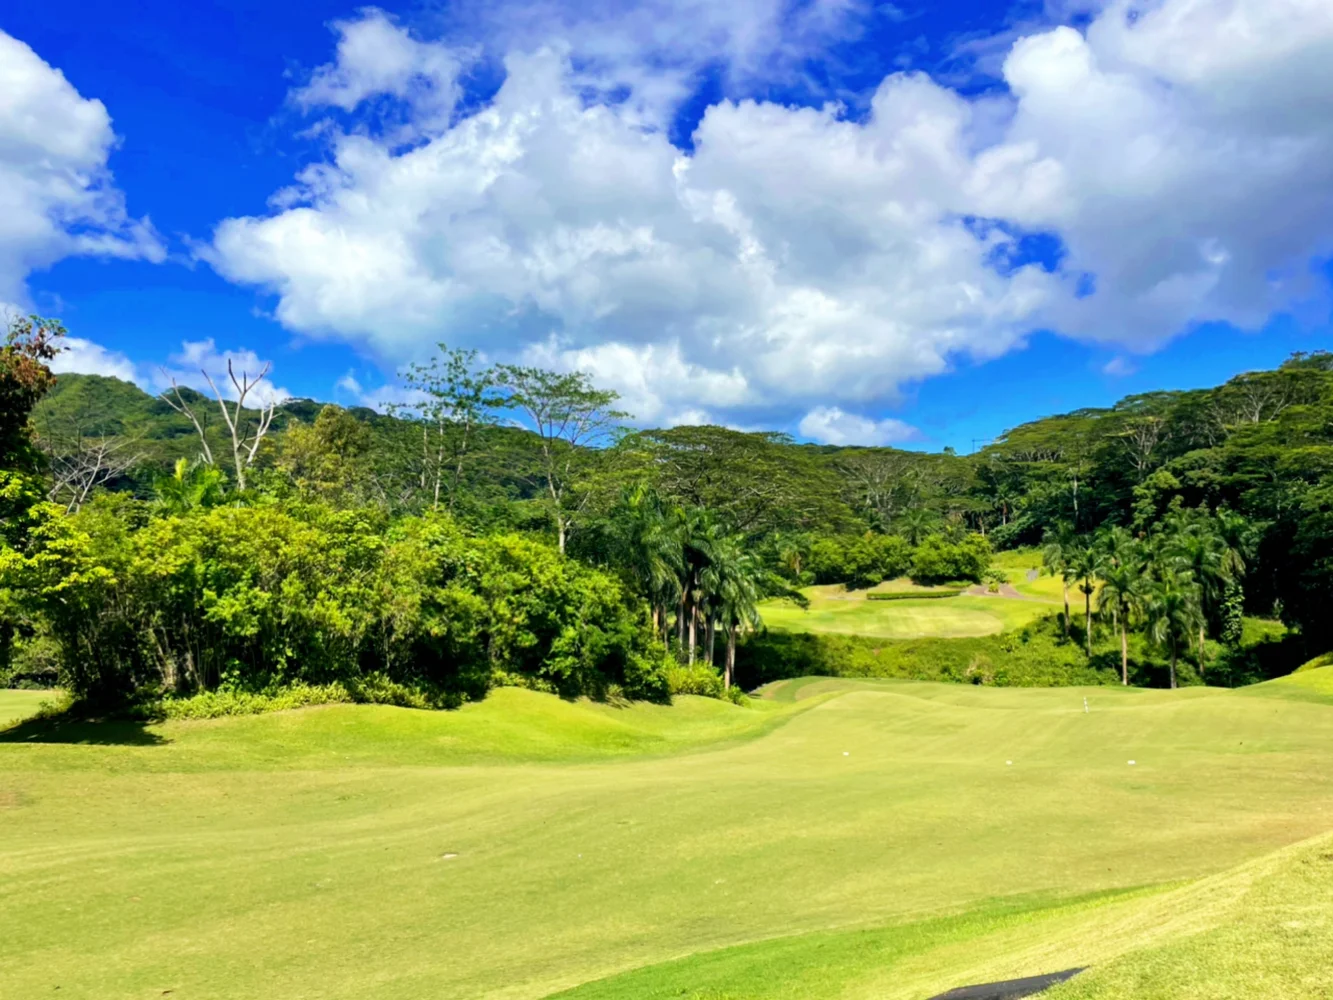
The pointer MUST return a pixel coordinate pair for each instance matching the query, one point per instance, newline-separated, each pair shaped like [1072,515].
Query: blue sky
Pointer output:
[858,222]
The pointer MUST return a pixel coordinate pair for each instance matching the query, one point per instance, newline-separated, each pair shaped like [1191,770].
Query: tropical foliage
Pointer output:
[507,528]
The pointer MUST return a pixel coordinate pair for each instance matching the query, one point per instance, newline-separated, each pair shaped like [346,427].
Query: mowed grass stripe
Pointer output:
[305,856]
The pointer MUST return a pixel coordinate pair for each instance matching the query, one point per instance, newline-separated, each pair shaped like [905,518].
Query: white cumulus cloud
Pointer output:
[57,198]
[830,425]
[1179,154]
[87,358]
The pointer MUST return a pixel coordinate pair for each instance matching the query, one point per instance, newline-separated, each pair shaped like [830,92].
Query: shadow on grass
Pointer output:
[74,730]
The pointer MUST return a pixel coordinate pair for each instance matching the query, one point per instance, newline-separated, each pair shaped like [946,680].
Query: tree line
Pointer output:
[1171,515]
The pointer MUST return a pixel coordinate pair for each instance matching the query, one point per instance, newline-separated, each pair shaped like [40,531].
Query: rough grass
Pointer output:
[526,845]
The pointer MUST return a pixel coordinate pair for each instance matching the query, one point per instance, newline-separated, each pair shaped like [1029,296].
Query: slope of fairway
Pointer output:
[835,609]
[359,852]
[511,725]
[1263,929]
[1308,685]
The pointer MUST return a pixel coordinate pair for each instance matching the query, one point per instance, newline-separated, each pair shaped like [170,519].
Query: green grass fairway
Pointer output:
[15,705]
[833,839]
[835,609]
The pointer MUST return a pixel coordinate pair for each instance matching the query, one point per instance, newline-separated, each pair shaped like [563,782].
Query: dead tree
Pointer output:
[80,460]
[246,435]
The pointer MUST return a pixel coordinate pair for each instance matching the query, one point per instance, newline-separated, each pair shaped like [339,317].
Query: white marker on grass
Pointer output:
[1131,763]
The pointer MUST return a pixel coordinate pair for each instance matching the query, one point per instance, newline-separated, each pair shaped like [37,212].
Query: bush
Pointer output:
[913,595]
[699,679]
[859,561]
[1036,656]
[373,690]
[937,560]
[258,599]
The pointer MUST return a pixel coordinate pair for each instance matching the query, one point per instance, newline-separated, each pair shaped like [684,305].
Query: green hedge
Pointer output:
[1030,658]
[1038,655]
[914,595]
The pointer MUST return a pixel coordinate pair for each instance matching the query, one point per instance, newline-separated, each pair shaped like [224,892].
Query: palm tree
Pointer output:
[1172,610]
[700,534]
[644,538]
[190,486]
[1085,563]
[1193,544]
[1056,556]
[916,524]
[732,580]
[1124,585]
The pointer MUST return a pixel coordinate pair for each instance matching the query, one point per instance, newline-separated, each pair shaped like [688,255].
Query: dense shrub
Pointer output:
[698,678]
[859,561]
[937,560]
[1033,657]
[250,599]
[1038,655]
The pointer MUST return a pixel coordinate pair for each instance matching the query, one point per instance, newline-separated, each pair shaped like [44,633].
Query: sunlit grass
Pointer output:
[527,845]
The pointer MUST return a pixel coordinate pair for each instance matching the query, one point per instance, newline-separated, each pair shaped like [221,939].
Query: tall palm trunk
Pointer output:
[1124,656]
[1087,614]
[712,630]
[1064,586]
[694,628]
[731,657]
[1173,666]
[1203,653]
[680,622]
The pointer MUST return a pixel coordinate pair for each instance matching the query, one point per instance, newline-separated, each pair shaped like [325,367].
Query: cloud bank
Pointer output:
[1174,159]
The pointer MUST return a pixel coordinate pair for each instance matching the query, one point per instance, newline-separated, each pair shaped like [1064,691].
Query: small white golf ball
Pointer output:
[846,753]
[1008,761]
[1131,763]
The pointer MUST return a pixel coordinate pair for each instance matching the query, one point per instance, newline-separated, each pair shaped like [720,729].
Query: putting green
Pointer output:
[836,609]
[525,845]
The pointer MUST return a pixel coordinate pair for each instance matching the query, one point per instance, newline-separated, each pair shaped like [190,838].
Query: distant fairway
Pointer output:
[525,845]
[16,705]
[836,609]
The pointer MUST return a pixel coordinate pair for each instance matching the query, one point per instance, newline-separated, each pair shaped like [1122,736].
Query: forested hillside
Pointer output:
[511,526]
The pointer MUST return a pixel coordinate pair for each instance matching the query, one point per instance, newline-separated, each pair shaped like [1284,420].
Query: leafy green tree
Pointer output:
[457,400]
[571,418]
[1171,607]
[30,343]
[936,560]
[330,459]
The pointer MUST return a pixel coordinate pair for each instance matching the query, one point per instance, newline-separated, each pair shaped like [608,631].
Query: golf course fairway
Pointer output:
[847,839]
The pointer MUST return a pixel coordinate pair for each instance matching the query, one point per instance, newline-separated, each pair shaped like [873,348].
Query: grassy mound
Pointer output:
[525,845]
